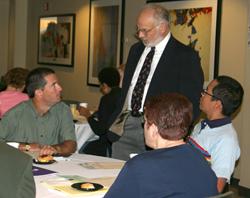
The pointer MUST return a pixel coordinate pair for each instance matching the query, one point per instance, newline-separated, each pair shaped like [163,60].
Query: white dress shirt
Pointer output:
[159,48]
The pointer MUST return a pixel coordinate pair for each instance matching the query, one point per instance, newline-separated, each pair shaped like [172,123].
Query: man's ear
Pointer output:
[219,105]
[38,92]
[163,28]
[154,130]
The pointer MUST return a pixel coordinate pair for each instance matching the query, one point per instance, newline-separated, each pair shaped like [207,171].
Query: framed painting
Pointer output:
[56,40]
[196,23]
[105,37]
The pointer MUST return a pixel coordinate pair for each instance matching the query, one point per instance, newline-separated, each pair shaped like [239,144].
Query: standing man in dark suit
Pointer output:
[174,68]
[16,173]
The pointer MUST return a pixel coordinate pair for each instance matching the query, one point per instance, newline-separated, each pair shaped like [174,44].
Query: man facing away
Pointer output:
[42,124]
[16,173]
[174,68]
[215,136]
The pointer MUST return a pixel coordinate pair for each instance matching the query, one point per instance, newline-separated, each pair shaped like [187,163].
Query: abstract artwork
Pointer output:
[56,40]
[194,23]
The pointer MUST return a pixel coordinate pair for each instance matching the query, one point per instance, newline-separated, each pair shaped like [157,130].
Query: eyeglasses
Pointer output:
[204,91]
[144,31]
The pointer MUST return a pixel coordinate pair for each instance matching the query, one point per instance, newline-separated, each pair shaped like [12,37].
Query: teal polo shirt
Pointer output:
[23,124]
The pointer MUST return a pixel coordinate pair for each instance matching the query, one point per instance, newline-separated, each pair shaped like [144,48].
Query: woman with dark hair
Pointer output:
[14,80]
[173,168]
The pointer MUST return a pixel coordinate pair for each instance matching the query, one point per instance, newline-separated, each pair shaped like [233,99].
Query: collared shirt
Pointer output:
[215,123]
[159,48]
[219,139]
[23,124]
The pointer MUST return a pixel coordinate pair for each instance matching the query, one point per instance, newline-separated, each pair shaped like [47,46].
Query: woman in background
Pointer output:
[14,80]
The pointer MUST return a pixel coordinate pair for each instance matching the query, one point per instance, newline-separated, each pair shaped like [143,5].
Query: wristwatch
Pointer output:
[27,147]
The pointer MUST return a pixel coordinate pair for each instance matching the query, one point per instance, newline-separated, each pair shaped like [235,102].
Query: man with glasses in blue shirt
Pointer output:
[215,136]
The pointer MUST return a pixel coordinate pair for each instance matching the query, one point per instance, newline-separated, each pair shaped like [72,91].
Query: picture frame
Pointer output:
[196,23]
[105,37]
[56,40]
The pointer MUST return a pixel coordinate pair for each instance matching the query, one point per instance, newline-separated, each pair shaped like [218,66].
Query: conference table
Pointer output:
[55,180]
[83,133]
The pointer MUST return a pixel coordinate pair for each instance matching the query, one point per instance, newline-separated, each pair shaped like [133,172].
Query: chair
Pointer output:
[228,194]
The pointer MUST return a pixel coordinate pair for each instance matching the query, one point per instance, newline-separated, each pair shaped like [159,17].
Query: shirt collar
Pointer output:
[215,123]
[161,46]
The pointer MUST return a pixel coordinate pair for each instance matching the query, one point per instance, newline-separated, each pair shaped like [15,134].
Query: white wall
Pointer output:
[245,135]
[20,36]
[233,44]
[4,24]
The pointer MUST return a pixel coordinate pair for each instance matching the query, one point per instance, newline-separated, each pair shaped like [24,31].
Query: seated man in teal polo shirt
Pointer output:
[42,124]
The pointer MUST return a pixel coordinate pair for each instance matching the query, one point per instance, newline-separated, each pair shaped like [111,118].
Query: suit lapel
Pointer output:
[164,62]
[132,65]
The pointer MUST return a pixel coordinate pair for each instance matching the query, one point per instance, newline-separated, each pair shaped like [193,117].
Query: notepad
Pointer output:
[102,165]
[63,184]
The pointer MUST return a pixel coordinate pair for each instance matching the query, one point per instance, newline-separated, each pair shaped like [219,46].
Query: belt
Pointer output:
[136,114]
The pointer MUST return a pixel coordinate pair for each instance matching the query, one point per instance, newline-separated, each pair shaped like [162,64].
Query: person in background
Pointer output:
[16,173]
[42,124]
[173,168]
[174,67]
[14,79]
[215,136]
[109,79]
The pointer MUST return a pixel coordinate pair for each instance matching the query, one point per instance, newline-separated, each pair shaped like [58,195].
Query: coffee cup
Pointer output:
[84,104]
[73,109]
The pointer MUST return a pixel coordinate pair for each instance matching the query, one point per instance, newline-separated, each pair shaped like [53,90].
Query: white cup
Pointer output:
[73,109]
[84,104]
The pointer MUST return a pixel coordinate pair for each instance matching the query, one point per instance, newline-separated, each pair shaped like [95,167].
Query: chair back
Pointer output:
[228,194]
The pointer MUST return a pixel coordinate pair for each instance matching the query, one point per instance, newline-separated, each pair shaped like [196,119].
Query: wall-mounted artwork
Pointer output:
[56,40]
[196,23]
[105,37]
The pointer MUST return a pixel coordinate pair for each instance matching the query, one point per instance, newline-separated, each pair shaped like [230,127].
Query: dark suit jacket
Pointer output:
[178,70]
[16,173]
[98,123]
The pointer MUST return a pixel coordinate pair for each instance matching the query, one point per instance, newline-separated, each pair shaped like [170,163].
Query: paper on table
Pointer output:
[63,184]
[102,165]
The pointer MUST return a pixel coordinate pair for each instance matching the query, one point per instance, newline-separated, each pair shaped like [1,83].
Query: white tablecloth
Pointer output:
[83,134]
[71,166]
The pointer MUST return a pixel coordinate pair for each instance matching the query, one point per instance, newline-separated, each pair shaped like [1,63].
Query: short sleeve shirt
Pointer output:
[23,124]
[222,145]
